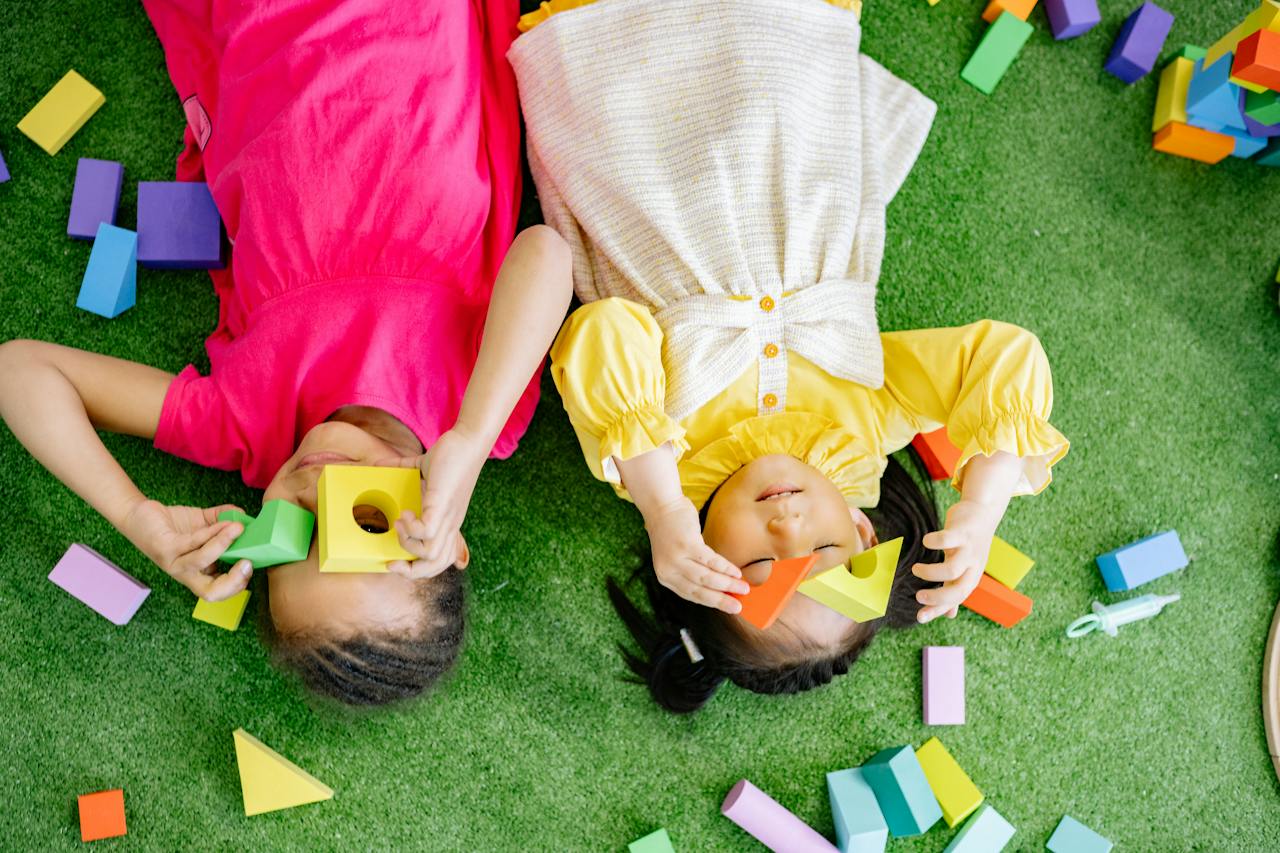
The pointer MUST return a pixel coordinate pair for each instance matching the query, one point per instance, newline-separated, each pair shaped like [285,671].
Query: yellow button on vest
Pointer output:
[770,400]
[770,350]
[767,304]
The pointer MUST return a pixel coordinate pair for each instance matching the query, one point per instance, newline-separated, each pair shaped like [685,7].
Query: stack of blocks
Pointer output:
[995,596]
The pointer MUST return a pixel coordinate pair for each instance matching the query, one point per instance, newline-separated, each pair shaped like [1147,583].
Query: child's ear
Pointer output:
[462,554]
[866,529]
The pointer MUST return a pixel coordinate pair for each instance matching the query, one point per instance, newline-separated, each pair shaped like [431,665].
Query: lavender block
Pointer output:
[1213,98]
[99,583]
[4,170]
[770,822]
[1256,128]
[1138,46]
[943,685]
[178,226]
[1071,18]
[96,197]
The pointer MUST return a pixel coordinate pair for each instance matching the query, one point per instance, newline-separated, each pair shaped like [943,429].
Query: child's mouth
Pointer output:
[779,490]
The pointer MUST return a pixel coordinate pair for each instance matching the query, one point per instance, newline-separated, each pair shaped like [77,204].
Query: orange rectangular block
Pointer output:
[998,603]
[1194,143]
[102,815]
[1258,60]
[939,454]
[762,605]
[1020,9]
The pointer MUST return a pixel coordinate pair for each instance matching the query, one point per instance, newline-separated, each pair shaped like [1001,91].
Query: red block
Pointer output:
[102,815]
[998,603]
[762,605]
[1258,59]
[939,454]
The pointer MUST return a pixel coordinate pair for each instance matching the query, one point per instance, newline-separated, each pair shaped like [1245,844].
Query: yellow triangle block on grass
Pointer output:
[270,782]
[225,614]
[62,112]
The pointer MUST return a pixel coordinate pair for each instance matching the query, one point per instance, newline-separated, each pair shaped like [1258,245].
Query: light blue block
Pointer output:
[1246,144]
[903,792]
[1206,124]
[1138,562]
[1213,97]
[860,826]
[1072,836]
[986,832]
[110,282]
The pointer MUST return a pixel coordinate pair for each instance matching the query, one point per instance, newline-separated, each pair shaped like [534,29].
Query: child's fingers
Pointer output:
[223,586]
[942,540]
[716,563]
[226,531]
[711,598]
[710,579]
[211,514]
[211,550]
[410,535]
[928,614]
[947,570]
[399,567]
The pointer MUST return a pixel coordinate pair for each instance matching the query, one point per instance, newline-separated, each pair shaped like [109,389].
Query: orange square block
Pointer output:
[1194,143]
[998,603]
[1258,59]
[939,454]
[762,605]
[1020,9]
[102,815]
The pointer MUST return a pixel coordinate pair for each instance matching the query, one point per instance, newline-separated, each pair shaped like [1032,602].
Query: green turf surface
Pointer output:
[1149,280]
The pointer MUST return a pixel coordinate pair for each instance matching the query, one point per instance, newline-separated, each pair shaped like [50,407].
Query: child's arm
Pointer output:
[53,397]
[530,298]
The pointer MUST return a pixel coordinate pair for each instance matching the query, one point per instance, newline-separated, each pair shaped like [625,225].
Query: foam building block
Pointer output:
[1071,18]
[1265,17]
[1138,46]
[860,826]
[102,815]
[280,534]
[1007,564]
[1194,143]
[1020,8]
[1271,156]
[1251,125]
[1257,60]
[1191,51]
[4,170]
[770,823]
[860,588]
[69,104]
[1246,144]
[1212,97]
[178,226]
[344,545]
[903,792]
[269,781]
[225,614]
[998,603]
[1263,108]
[937,452]
[1072,836]
[99,583]
[943,685]
[1000,45]
[95,197]
[1171,98]
[957,796]
[655,842]
[765,601]
[1134,564]
[986,832]
[110,283]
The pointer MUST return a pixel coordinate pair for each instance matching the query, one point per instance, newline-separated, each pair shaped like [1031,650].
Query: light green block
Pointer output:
[280,534]
[1263,107]
[655,842]
[997,50]
[1192,52]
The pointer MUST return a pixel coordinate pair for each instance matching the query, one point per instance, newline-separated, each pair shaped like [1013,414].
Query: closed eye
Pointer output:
[772,559]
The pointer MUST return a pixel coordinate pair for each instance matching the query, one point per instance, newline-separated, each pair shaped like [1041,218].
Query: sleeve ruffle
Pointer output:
[1022,433]
[635,433]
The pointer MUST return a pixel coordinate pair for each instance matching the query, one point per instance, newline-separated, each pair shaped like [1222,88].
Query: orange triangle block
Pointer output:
[762,605]
[269,781]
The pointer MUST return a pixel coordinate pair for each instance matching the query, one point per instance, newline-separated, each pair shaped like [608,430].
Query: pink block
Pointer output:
[99,583]
[943,685]
[770,823]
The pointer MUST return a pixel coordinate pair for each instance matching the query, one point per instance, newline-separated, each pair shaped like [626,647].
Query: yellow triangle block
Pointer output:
[860,588]
[225,614]
[270,782]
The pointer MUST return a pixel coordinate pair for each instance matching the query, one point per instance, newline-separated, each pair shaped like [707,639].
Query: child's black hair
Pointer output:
[906,509]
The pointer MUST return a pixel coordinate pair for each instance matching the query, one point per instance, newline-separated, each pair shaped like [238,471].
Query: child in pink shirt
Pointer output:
[365,159]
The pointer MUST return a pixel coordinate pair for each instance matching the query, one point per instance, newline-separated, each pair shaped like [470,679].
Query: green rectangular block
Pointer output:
[1263,107]
[997,50]
[1192,52]
[655,842]
[280,534]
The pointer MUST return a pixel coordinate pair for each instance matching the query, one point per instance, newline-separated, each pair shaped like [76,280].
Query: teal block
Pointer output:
[860,826]
[110,283]
[1263,107]
[1270,157]
[903,792]
[1000,45]
[1072,836]
[1192,52]
[986,832]
[655,842]
[280,534]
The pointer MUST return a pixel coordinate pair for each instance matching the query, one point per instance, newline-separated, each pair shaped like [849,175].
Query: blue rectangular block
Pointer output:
[1246,144]
[1072,836]
[1138,562]
[986,832]
[1213,97]
[4,170]
[860,826]
[1071,18]
[111,279]
[96,197]
[903,792]
[1138,46]
[178,226]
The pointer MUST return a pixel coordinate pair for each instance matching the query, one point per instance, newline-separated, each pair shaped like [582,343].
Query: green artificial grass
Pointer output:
[1150,282]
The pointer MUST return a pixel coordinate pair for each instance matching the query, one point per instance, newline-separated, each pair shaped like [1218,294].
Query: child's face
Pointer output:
[778,507]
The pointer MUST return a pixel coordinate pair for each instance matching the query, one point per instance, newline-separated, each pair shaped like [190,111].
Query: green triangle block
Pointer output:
[280,534]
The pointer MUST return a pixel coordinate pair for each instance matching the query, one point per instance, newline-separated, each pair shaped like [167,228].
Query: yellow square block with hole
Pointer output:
[955,791]
[225,614]
[1007,564]
[860,588]
[60,113]
[344,545]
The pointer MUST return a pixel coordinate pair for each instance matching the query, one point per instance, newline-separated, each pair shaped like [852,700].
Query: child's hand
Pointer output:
[186,542]
[965,541]
[685,565]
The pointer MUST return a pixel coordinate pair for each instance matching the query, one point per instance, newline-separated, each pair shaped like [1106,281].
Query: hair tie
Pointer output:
[690,647]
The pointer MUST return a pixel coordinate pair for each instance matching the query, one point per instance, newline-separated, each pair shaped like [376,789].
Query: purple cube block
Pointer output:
[1257,128]
[1138,46]
[96,197]
[4,170]
[1071,18]
[178,226]
[99,583]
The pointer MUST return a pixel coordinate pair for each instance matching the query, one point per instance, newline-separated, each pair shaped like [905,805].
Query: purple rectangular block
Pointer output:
[1071,18]
[4,170]
[178,226]
[1138,46]
[96,197]
[1257,128]
[943,685]
[99,583]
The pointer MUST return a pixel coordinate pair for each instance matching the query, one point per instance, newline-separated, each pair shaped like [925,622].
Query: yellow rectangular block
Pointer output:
[955,791]
[1265,17]
[62,112]
[1252,87]
[860,588]
[224,614]
[1171,100]
[1007,564]
[344,545]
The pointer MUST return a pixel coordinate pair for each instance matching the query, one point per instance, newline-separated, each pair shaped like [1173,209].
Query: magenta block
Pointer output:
[943,685]
[96,197]
[1071,18]
[1138,46]
[770,823]
[4,170]
[178,226]
[99,583]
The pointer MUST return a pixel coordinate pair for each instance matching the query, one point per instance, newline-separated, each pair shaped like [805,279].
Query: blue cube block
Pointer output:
[986,832]
[903,792]
[1137,48]
[1212,96]
[111,280]
[1072,836]
[1246,144]
[1138,562]
[178,226]
[860,826]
